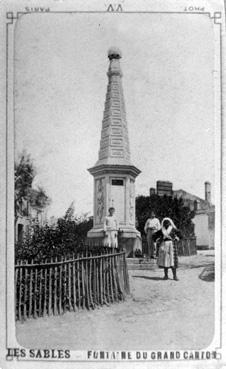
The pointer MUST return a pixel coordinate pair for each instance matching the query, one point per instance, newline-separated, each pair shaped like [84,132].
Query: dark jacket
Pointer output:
[160,237]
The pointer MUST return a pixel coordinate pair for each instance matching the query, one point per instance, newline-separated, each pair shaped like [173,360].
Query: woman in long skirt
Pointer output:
[167,252]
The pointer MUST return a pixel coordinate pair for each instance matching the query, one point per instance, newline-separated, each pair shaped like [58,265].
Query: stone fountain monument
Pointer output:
[114,174]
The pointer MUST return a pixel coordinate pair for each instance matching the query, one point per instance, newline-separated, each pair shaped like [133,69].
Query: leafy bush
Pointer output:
[54,241]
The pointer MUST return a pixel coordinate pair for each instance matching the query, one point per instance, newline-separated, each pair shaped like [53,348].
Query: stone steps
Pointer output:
[141,264]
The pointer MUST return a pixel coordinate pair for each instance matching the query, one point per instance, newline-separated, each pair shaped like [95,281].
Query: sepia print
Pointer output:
[113,147]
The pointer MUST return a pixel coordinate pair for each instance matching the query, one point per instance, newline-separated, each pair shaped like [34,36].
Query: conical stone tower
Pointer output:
[114,175]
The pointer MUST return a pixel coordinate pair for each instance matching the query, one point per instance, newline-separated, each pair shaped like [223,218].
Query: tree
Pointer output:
[165,206]
[38,198]
[69,214]
[24,175]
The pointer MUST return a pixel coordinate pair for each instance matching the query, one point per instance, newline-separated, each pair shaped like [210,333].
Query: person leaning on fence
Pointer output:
[167,237]
[152,225]
[111,229]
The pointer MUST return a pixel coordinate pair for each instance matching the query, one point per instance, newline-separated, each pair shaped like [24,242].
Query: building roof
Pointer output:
[186,195]
[204,205]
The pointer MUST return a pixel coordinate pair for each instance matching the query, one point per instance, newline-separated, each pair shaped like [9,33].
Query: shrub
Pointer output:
[53,241]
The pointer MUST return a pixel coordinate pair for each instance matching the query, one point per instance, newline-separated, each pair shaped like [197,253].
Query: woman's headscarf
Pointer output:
[166,232]
[170,221]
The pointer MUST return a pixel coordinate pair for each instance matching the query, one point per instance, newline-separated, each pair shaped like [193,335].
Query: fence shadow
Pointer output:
[145,277]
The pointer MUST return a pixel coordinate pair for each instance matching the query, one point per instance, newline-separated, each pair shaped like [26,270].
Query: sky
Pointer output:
[60,87]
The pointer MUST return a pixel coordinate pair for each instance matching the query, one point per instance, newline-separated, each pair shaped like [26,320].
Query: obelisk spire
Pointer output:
[114,175]
[114,143]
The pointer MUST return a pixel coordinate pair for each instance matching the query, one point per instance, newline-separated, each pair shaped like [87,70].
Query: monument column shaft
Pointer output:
[114,174]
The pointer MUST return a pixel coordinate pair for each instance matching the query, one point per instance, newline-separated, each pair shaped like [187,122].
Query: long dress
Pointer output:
[167,251]
[111,231]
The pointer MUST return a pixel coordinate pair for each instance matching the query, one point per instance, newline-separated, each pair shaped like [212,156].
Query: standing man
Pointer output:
[111,229]
[152,225]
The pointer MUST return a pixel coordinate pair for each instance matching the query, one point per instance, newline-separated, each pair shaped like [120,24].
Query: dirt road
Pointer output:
[158,315]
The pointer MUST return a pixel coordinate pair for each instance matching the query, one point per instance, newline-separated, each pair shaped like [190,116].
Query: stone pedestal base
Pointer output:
[129,239]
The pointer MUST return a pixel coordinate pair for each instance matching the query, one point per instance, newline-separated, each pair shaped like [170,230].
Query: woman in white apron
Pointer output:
[168,253]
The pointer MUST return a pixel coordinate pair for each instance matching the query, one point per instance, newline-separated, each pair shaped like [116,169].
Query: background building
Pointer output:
[164,188]
[29,214]
[204,219]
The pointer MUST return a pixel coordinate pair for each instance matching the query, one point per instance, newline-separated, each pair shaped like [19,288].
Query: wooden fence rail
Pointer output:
[186,246]
[55,286]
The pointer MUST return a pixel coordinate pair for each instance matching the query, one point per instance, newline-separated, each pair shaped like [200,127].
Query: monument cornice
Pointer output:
[115,169]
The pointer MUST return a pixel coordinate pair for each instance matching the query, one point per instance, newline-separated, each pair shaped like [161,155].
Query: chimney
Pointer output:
[164,188]
[208,191]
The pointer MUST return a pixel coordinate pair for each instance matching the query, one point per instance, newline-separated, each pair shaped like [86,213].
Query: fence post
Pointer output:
[25,293]
[121,274]
[90,282]
[111,278]
[114,279]
[40,293]
[69,286]
[78,281]
[65,286]
[86,268]
[16,292]
[60,288]
[74,285]
[83,285]
[35,292]
[101,282]
[107,279]
[55,288]
[50,290]
[118,277]
[20,291]
[45,291]
[98,280]
[126,274]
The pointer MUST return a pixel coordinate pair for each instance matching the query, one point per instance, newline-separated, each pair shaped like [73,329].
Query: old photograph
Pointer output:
[115,145]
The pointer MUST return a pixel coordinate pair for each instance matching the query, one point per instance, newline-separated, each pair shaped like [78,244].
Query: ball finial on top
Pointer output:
[114,53]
